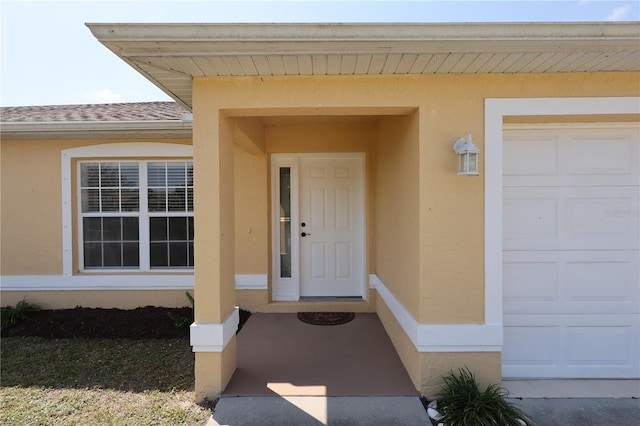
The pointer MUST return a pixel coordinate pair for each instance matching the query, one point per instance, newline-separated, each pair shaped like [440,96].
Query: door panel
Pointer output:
[332,211]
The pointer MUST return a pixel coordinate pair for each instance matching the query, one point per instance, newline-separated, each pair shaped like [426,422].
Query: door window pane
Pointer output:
[285,222]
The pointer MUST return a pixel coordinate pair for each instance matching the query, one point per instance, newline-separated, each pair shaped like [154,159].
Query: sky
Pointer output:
[49,57]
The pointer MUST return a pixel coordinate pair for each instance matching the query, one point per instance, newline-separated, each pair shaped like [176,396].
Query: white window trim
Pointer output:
[143,214]
[106,151]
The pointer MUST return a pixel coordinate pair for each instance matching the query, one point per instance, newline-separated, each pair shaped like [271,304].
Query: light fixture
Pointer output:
[468,155]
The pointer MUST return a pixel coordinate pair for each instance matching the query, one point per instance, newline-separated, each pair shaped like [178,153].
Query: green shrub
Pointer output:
[462,403]
[12,315]
[180,321]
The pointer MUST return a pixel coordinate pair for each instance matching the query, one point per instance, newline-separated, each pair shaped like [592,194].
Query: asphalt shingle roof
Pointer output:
[136,111]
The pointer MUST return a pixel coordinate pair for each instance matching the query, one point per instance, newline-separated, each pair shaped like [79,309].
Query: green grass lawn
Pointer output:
[97,381]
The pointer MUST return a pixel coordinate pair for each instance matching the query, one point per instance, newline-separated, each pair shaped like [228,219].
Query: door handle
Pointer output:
[304,234]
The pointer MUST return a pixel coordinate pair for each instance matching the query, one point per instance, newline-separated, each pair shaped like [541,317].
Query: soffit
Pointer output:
[171,55]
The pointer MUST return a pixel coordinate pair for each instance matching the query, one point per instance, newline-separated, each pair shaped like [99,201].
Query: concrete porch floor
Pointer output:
[277,354]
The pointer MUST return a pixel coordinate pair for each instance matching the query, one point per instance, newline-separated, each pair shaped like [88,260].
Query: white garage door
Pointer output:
[571,259]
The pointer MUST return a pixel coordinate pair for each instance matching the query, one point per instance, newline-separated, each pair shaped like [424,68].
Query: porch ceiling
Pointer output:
[170,55]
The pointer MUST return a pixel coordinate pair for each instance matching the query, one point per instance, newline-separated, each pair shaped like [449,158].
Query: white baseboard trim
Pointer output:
[252,282]
[214,337]
[119,282]
[96,282]
[441,337]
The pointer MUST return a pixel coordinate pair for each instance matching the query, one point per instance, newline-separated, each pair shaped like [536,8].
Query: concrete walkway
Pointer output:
[582,411]
[400,411]
[279,355]
[316,411]
[292,373]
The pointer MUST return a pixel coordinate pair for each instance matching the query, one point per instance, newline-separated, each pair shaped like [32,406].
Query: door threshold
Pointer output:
[331,299]
[323,304]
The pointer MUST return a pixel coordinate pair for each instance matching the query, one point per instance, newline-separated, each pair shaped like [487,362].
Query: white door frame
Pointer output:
[288,288]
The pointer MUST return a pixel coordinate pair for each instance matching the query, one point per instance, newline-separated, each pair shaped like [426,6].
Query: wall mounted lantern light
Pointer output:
[468,155]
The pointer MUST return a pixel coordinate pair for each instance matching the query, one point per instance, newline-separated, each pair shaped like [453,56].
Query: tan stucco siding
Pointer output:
[251,213]
[452,207]
[397,209]
[408,353]
[486,367]
[31,208]
[214,213]
[31,234]
[430,278]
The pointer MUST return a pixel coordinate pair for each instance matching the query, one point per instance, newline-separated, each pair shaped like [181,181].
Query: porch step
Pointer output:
[315,410]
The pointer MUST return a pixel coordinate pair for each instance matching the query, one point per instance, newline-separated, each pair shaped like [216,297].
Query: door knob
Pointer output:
[304,234]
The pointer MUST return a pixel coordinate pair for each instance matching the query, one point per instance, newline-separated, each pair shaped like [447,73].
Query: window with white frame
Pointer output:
[136,215]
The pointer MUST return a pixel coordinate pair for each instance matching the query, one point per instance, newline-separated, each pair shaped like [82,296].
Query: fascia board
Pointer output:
[364,32]
[56,130]
[131,40]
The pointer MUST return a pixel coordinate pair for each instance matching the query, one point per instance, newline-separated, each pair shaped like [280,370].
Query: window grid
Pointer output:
[177,203]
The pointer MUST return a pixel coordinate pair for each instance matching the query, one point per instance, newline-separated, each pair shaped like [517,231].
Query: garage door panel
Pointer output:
[572,152]
[552,282]
[600,282]
[593,218]
[521,352]
[603,155]
[531,156]
[561,218]
[571,252]
[527,218]
[573,346]
[605,346]
[530,282]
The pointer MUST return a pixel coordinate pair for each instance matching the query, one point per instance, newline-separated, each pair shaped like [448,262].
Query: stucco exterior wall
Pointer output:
[398,209]
[450,219]
[425,223]
[31,229]
[433,260]
[30,233]
[251,212]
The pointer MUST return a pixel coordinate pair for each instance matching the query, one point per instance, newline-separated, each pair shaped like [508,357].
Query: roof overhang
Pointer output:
[171,55]
[167,129]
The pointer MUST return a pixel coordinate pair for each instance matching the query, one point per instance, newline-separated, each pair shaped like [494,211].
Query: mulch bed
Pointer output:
[149,322]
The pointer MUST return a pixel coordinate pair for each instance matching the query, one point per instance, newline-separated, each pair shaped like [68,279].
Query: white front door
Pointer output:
[319,250]
[331,227]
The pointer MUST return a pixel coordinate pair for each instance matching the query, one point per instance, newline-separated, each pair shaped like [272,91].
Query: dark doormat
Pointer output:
[326,318]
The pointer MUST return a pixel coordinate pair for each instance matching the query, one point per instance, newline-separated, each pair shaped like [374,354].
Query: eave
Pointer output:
[97,130]
[171,55]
